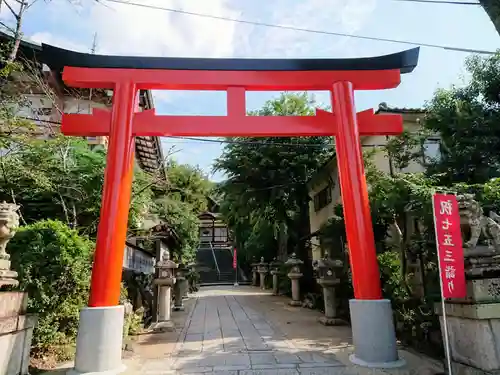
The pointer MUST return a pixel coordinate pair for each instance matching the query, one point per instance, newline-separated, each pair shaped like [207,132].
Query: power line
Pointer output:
[263,143]
[440,2]
[276,26]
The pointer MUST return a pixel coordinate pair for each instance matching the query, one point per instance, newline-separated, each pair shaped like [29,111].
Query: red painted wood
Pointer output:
[148,124]
[122,125]
[359,230]
[112,230]
[222,80]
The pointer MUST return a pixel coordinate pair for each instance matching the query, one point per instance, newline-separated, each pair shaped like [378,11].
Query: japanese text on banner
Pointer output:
[449,245]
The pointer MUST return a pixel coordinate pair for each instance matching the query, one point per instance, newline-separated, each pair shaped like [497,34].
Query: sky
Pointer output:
[124,29]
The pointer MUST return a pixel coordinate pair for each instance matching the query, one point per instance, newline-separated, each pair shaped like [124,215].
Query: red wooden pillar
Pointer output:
[112,230]
[362,255]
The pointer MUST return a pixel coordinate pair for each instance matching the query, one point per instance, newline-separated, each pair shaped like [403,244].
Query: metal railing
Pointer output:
[215,260]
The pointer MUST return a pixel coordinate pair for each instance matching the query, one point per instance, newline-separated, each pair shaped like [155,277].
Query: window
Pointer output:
[431,150]
[323,198]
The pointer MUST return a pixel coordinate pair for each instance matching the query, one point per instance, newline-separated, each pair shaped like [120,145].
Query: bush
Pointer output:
[54,265]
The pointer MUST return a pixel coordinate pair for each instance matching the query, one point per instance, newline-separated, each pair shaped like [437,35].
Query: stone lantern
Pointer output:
[263,269]
[275,266]
[255,267]
[294,274]
[165,281]
[327,280]
[180,286]
[9,222]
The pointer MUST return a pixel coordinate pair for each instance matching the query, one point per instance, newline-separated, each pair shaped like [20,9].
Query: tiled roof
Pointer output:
[383,107]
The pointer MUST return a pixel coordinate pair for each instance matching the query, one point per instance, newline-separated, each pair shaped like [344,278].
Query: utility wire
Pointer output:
[276,26]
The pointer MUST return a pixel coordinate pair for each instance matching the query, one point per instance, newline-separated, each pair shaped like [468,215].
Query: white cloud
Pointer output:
[344,16]
[131,30]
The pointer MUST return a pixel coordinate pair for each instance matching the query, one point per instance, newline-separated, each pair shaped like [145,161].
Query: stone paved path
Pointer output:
[245,332]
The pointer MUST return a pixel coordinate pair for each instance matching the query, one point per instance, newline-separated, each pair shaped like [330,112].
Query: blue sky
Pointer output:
[126,29]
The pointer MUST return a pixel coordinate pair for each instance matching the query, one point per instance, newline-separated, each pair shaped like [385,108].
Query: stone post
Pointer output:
[179,287]
[294,274]
[263,270]
[255,280]
[9,222]
[275,271]
[16,325]
[474,322]
[165,282]
[328,280]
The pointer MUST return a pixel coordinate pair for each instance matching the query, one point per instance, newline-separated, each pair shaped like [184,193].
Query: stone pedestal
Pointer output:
[325,269]
[330,318]
[474,328]
[294,274]
[275,271]
[179,287]
[295,289]
[16,332]
[263,270]
[165,282]
[255,273]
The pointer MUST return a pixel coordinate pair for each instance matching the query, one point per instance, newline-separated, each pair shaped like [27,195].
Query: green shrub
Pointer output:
[54,264]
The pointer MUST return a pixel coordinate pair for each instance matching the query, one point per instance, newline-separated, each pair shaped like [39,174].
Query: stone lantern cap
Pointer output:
[254,264]
[329,263]
[263,266]
[166,275]
[293,261]
[166,264]
[182,270]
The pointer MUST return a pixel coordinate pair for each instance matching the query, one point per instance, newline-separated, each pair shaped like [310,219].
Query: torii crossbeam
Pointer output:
[371,317]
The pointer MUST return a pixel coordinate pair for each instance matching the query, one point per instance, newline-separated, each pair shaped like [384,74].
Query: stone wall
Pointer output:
[16,331]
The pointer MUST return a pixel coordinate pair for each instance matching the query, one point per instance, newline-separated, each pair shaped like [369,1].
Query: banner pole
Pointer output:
[235,268]
[443,307]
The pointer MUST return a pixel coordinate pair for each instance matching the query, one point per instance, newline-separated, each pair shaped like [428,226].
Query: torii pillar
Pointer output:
[100,330]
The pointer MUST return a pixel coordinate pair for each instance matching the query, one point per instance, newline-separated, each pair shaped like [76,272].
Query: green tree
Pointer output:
[61,178]
[467,119]
[54,264]
[265,190]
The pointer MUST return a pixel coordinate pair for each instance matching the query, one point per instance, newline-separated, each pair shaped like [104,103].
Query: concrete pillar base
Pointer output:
[165,326]
[99,341]
[373,334]
[332,321]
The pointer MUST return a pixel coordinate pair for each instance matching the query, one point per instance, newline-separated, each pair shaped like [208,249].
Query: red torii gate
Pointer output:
[373,329]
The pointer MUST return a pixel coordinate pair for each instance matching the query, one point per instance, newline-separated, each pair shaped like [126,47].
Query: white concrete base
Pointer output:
[360,362]
[99,341]
[373,334]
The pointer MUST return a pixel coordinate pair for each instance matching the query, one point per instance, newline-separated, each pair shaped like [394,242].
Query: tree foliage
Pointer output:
[54,264]
[61,178]
[467,120]
[265,197]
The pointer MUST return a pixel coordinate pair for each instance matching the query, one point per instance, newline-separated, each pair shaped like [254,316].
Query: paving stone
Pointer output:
[195,369]
[263,359]
[193,338]
[208,373]
[328,371]
[238,360]
[275,366]
[312,357]
[270,372]
[232,368]
[320,364]
[287,358]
